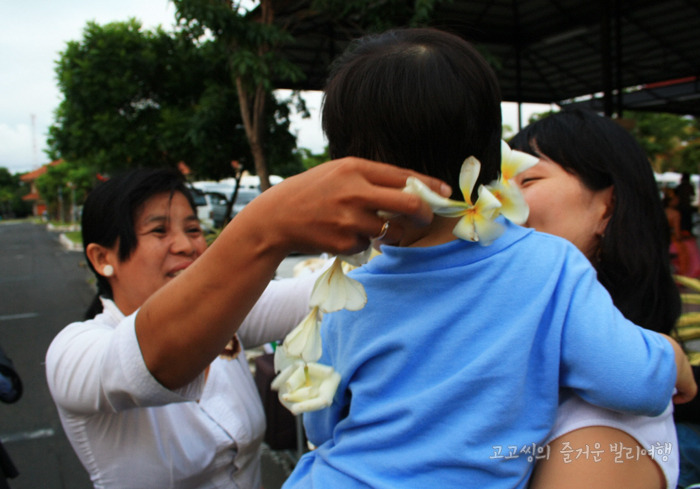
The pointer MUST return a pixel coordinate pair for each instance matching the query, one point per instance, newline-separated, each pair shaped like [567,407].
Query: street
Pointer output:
[43,288]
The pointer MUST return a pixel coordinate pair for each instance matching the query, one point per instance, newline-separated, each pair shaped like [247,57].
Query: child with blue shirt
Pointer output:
[453,371]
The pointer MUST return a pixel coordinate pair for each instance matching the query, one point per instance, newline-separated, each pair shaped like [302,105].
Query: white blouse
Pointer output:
[130,432]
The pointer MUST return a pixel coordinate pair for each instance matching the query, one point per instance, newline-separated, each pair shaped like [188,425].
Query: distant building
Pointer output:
[38,204]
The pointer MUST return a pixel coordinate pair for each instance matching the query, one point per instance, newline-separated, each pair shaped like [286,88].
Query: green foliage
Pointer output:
[65,187]
[149,98]
[671,141]
[12,189]
[309,159]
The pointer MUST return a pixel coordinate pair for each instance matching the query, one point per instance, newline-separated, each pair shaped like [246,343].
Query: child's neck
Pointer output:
[438,232]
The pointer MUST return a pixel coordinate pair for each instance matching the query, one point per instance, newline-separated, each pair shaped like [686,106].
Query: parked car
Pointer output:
[244,196]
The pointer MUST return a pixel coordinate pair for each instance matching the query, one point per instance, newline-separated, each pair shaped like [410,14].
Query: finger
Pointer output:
[388,175]
[392,203]
[394,234]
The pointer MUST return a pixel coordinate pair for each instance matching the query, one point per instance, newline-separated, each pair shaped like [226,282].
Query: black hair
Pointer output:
[109,210]
[419,98]
[633,260]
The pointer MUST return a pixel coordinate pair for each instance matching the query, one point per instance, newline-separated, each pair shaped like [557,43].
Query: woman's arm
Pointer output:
[281,307]
[602,471]
[332,207]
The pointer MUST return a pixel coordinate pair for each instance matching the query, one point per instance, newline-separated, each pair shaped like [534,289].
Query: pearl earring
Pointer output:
[108,270]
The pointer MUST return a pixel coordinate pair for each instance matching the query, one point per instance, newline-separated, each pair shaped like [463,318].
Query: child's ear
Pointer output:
[102,259]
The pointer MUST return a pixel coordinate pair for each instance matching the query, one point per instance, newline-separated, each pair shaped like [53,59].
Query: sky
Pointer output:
[32,35]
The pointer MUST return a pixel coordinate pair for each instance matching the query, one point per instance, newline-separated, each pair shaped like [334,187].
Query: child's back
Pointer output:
[454,365]
[451,372]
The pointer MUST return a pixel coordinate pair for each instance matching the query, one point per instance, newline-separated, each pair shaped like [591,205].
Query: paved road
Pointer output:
[44,287]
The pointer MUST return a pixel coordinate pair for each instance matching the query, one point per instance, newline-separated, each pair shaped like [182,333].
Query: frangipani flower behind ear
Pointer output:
[476,223]
[334,291]
[304,341]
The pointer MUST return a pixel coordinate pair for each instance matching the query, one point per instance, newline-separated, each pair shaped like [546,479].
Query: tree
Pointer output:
[12,189]
[64,188]
[671,141]
[248,43]
[150,98]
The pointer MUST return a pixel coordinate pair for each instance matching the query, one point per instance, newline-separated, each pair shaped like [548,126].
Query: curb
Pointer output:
[68,244]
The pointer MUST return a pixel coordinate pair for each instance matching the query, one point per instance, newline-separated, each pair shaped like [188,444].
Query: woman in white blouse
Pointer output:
[152,388]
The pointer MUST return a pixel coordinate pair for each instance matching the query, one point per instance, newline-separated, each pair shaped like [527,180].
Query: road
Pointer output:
[44,287]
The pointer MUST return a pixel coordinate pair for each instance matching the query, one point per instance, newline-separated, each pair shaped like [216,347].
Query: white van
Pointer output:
[206,196]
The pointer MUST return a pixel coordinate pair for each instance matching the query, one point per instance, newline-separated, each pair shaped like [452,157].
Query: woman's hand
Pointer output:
[685,381]
[333,207]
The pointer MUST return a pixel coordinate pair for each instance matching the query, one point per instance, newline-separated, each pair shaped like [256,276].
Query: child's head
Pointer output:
[417,98]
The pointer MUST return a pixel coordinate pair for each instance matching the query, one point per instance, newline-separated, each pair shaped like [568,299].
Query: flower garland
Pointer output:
[305,385]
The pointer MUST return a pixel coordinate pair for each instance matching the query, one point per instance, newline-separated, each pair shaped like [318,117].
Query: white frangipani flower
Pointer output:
[514,162]
[308,387]
[358,259]
[476,223]
[304,341]
[334,290]
[513,205]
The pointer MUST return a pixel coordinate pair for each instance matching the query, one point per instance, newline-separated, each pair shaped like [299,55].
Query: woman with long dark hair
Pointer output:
[595,187]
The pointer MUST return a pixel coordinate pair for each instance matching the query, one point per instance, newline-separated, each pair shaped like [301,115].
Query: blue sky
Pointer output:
[34,32]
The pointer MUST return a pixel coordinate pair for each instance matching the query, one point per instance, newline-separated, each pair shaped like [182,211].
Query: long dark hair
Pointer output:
[108,215]
[633,260]
[417,98]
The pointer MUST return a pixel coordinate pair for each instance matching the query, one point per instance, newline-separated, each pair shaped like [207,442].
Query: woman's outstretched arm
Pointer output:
[330,208]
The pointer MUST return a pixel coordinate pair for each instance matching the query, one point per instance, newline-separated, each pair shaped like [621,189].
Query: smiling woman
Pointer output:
[155,377]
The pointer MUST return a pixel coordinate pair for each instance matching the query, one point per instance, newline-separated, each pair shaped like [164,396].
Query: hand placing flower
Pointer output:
[476,223]
[500,197]
[304,385]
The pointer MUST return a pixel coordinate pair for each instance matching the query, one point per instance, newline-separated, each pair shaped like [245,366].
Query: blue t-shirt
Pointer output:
[451,373]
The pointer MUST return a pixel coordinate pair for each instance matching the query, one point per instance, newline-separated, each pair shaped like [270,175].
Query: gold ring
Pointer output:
[382,233]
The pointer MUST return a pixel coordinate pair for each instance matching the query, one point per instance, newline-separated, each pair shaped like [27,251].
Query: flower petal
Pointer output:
[334,291]
[304,341]
[280,380]
[487,204]
[477,220]
[326,384]
[487,230]
[358,259]
[468,176]
[296,380]
[513,204]
[282,360]
[309,388]
[514,162]
[439,204]
[465,229]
